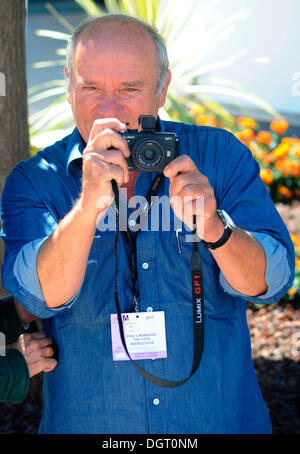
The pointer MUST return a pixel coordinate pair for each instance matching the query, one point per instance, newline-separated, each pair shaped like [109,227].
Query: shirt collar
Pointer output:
[75,148]
[159,125]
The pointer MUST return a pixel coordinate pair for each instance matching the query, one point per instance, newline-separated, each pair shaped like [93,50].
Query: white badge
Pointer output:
[145,336]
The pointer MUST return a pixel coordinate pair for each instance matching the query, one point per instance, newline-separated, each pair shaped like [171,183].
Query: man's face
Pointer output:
[114,76]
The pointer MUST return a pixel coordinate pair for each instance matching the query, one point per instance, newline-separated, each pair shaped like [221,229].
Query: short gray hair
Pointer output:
[161,51]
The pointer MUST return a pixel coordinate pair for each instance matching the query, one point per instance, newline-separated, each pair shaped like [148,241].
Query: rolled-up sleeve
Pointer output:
[27,281]
[26,223]
[277,275]
[241,193]
[24,269]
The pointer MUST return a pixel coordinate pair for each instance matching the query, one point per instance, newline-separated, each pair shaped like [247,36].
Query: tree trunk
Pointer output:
[14,141]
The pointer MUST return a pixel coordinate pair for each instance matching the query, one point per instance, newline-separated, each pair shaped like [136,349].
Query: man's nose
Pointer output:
[109,105]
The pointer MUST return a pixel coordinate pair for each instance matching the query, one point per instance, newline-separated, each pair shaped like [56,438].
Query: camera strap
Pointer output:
[197,291]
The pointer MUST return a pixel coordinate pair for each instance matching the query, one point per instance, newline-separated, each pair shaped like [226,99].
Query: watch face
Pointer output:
[228,222]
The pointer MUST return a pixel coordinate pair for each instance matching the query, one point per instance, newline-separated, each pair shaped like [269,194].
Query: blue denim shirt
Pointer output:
[90,393]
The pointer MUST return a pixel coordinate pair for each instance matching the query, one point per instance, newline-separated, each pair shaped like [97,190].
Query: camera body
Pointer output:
[150,151]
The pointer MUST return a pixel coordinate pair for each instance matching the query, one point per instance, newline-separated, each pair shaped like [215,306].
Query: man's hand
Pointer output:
[36,351]
[241,259]
[104,159]
[191,194]
[64,255]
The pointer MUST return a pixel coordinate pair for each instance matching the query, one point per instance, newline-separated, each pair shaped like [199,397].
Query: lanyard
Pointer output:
[197,291]
[152,192]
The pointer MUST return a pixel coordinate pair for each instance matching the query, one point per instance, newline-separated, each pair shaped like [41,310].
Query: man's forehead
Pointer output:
[115,34]
[101,54]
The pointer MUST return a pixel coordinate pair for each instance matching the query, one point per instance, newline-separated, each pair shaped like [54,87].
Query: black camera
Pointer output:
[151,151]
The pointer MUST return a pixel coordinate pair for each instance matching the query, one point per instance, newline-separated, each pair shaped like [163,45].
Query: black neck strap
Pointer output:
[197,292]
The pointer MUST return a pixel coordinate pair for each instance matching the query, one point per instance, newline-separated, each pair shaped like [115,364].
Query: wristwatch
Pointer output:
[229,228]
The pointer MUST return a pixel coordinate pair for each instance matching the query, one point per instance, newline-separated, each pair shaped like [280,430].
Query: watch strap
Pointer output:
[229,228]
[226,234]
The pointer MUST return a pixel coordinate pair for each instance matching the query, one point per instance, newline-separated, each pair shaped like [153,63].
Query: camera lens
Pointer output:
[149,154]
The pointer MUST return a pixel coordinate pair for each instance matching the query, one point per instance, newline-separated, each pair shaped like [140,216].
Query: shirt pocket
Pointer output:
[177,257]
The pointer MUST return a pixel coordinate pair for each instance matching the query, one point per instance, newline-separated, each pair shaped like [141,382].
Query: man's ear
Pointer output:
[163,94]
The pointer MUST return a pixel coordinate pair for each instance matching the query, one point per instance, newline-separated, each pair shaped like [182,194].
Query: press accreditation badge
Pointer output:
[145,335]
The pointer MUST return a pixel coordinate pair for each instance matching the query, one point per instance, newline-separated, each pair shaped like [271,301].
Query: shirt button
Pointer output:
[145,265]
[155,401]
[149,309]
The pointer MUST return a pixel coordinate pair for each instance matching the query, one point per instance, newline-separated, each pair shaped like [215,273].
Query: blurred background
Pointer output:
[235,65]
[267,31]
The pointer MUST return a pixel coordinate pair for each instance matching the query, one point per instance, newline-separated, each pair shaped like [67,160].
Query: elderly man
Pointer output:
[67,270]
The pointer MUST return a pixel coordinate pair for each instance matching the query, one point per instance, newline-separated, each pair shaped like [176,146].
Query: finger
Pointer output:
[188,183]
[106,171]
[38,365]
[24,341]
[101,124]
[35,345]
[20,344]
[50,364]
[186,207]
[181,164]
[116,157]
[39,352]
[108,139]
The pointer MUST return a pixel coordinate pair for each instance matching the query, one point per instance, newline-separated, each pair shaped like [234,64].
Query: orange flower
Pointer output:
[295,239]
[294,168]
[264,137]
[197,110]
[284,191]
[289,140]
[245,135]
[258,153]
[206,120]
[279,126]
[288,168]
[281,151]
[281,164]
[297,151]
[246,122]
[268,159]
[267,176]
[239,136]
[291,291]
